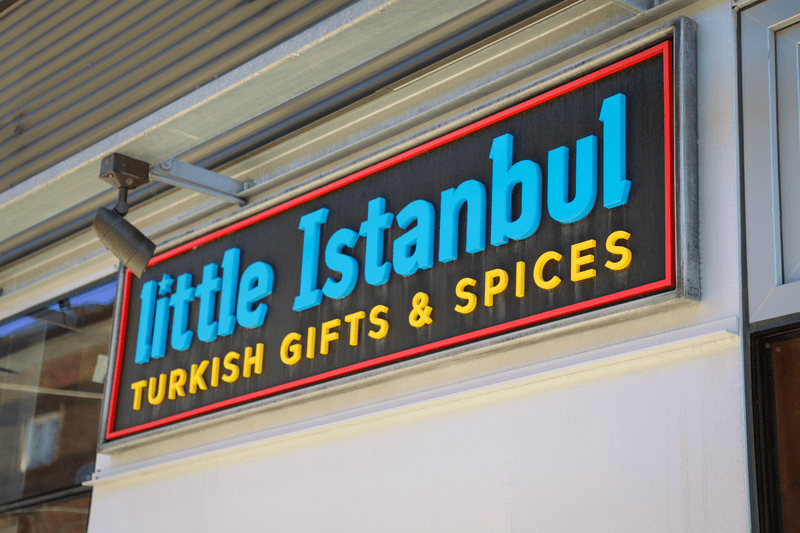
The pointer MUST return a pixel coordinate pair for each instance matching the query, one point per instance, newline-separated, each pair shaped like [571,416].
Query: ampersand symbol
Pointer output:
[421,314]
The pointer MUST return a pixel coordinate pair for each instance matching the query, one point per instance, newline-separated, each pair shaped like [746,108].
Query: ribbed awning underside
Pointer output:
[75,72]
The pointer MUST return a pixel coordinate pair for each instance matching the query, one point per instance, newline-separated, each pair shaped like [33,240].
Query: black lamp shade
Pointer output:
[123,240]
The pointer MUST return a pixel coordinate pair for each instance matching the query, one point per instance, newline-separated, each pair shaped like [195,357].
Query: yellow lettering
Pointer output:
[611,246]
[375,320]
[353,319]
[520,293]
[576,274]
[196,380]
[327,336]
[311,342]
[215,372]
[231,367]
[290,344]
[253,362]
[138,391]
[496,282]
[177,379]
[461,292]
[157,390]
[538,271]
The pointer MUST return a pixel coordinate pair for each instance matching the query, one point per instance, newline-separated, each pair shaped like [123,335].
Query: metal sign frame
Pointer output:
[679,230]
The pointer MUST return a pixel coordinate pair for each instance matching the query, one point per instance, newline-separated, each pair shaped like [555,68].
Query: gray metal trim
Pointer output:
[45,498]
[683,32]
[112,359]
[774,14]
[774,167]
[54,392]
[686,165]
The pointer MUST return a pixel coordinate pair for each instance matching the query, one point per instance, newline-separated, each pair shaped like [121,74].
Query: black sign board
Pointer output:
[558,205]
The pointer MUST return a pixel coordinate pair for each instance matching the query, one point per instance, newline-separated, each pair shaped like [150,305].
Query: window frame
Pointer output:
[768,295]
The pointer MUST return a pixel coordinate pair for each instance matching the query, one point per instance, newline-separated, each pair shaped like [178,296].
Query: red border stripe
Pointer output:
[669,194]
[664,48]
[123,326]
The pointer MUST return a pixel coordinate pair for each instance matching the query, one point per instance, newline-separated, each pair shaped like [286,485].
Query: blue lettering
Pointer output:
[256,283]
[615,185]
[419,238]
[181,337]
[558,205]
[505,176]
[206,292]
[376,271]
[146,316]
[473,194]
[344,264]
[310,295]
[227,298]
[240,295]
[161,326]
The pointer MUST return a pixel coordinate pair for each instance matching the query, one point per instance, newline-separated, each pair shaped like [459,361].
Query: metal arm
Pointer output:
[187,176]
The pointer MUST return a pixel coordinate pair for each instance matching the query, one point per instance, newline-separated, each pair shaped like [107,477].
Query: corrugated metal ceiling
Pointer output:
[75,72]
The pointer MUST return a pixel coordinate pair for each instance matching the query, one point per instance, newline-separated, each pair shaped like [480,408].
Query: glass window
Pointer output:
[52,366]
[786,372]
[67,515]
[776,371]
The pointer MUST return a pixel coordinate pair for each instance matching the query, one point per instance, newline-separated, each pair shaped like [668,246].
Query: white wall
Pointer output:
[647,444]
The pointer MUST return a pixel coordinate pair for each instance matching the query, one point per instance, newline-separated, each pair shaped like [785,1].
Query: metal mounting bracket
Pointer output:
[187,176]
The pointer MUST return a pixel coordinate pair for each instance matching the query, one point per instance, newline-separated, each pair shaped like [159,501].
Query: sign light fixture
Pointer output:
[123,239]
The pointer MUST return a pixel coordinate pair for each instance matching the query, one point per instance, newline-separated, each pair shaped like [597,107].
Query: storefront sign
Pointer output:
[556,206]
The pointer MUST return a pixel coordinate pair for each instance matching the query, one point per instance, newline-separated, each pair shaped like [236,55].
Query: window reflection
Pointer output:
[52,367]
[786,364]
[41,437]
[68,515]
